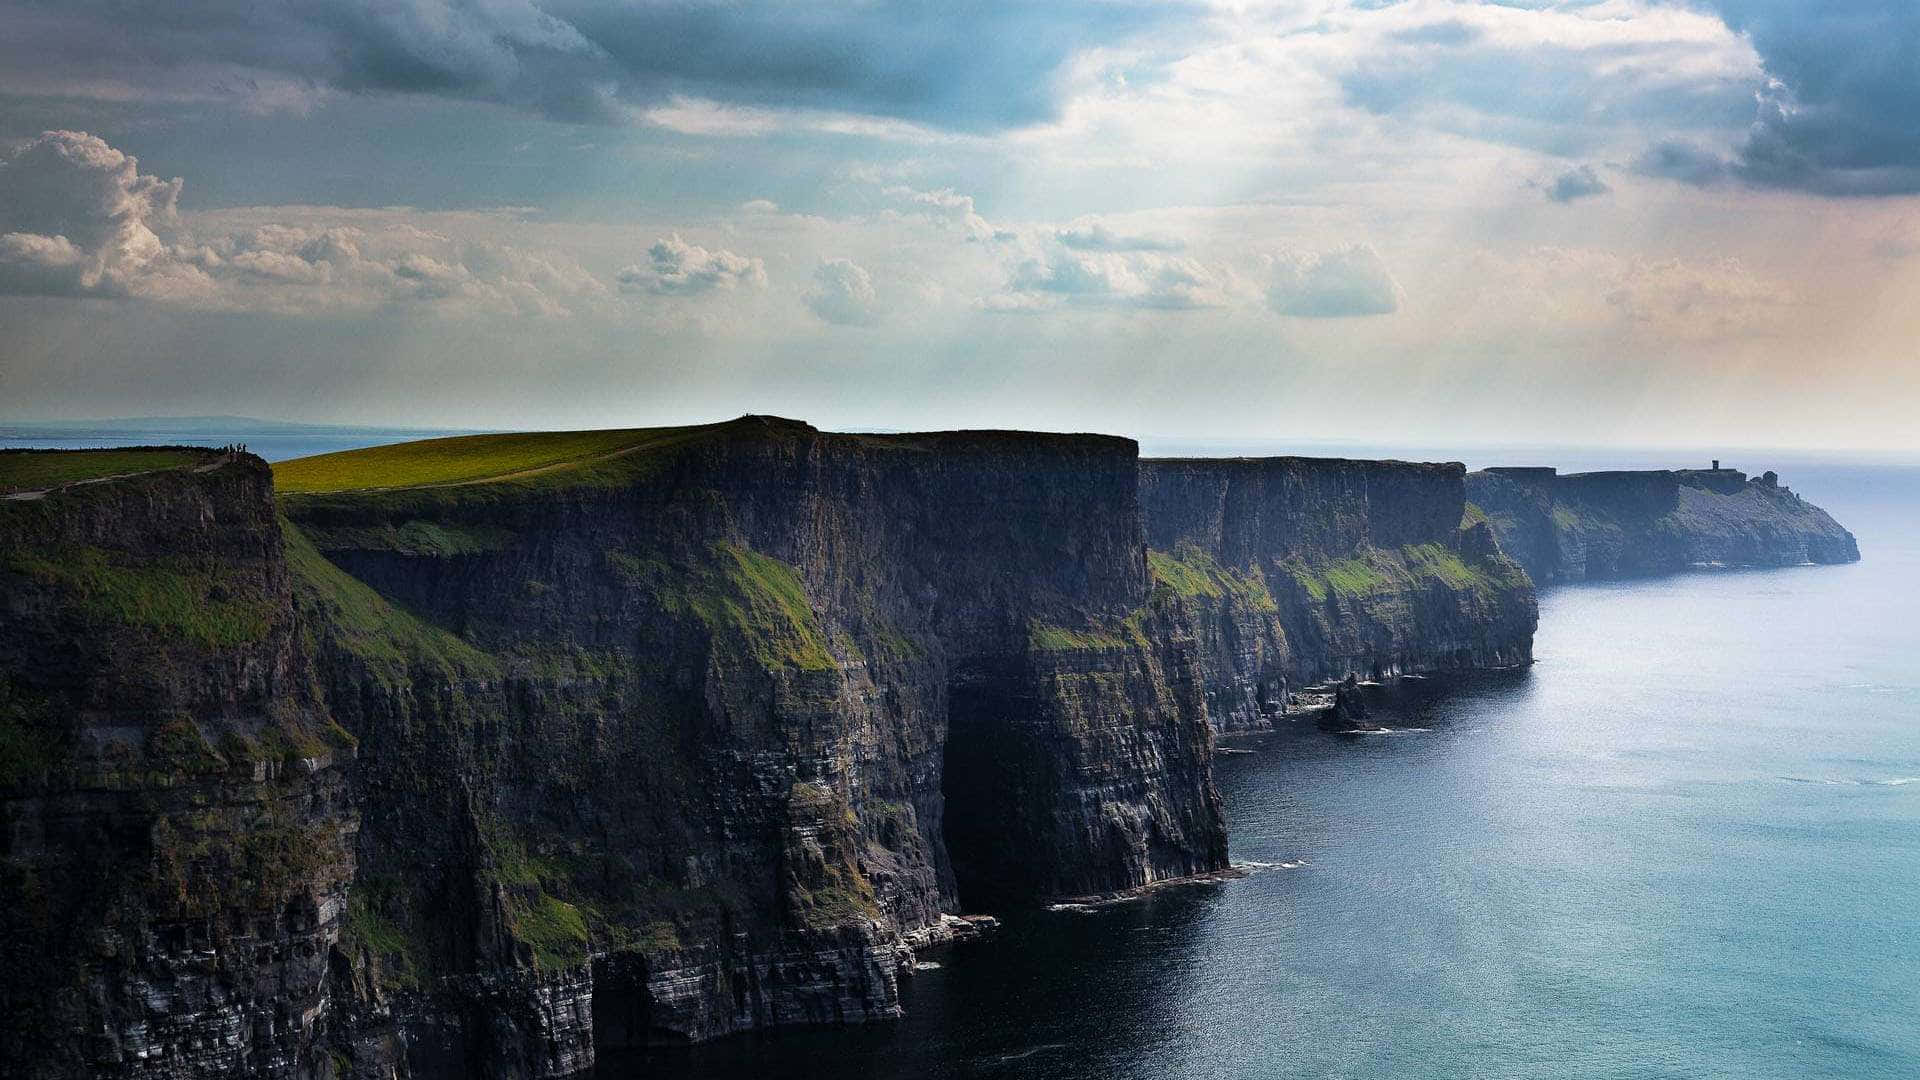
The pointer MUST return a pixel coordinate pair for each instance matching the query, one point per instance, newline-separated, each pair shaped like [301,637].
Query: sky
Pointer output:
[1626,222]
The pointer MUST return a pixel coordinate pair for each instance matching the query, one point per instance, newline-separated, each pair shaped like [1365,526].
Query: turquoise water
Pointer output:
[1686,843]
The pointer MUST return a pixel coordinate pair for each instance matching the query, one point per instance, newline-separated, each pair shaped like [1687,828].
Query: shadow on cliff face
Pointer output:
[994,778]
[1011,1006]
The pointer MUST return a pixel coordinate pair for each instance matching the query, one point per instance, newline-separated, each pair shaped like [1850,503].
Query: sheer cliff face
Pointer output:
[695,740]
[1618,524]
[1300,570]
[176,834]
[772,699]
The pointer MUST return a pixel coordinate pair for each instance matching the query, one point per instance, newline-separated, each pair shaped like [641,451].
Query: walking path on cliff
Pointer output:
[34,494]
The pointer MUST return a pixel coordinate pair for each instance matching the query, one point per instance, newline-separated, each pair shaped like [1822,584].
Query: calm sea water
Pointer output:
[269,444]
[1686,843]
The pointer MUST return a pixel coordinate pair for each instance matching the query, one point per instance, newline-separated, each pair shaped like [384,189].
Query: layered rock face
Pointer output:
[469,781]
[1305,570]
[177,834]
[1618,524]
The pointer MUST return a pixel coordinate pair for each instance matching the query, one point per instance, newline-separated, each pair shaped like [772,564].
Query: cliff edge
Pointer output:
[473,759]
[1302,571]
[1620,524]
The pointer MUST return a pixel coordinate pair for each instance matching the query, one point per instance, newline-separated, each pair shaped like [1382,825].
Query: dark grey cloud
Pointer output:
[1352,281]
[1840,114]
[976,66]
[1579,182]
[1556,98]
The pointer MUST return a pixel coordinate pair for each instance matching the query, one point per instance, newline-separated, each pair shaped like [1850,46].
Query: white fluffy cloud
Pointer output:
[78,218]
[1137,280]
[947,207]
[1347,282]
[843,294]
[677,268]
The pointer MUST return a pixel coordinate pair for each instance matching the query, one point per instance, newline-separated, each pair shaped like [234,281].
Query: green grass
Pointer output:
[33,470]
[416,537]
[555,929]
[1375,571]
[469,459]
[752,601]
[368,923]
[1357,576]
[1045,637]
[175,596]
[366,623]
[1436,560]
[1192,572]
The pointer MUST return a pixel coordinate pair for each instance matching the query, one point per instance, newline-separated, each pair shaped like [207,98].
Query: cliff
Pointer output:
[680,733]
[1618,524]
[1299,571]
[177,838]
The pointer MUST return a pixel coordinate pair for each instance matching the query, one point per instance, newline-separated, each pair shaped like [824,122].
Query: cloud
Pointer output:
[1588,294]
[1579,182]
[677,268]
[945,206]
[1137,280]
[1093,236]
[1348,282]
[1840,112]
[1563,78]
[968,67]
[1675,159]
[78,218]
[843,294]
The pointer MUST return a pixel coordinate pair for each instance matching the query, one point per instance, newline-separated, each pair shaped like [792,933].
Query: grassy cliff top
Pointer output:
[471,459]
[585,457]
[38,470]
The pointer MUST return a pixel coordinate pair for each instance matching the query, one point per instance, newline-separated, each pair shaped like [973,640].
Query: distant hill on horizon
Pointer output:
[198,425]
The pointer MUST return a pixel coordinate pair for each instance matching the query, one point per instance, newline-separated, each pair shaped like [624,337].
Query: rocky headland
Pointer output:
[1580,526]
[477,757]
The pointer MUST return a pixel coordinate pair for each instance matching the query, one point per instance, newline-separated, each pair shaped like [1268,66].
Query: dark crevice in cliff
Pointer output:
[993,774]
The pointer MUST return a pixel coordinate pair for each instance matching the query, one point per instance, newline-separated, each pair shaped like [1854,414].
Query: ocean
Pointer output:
[1685,843]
